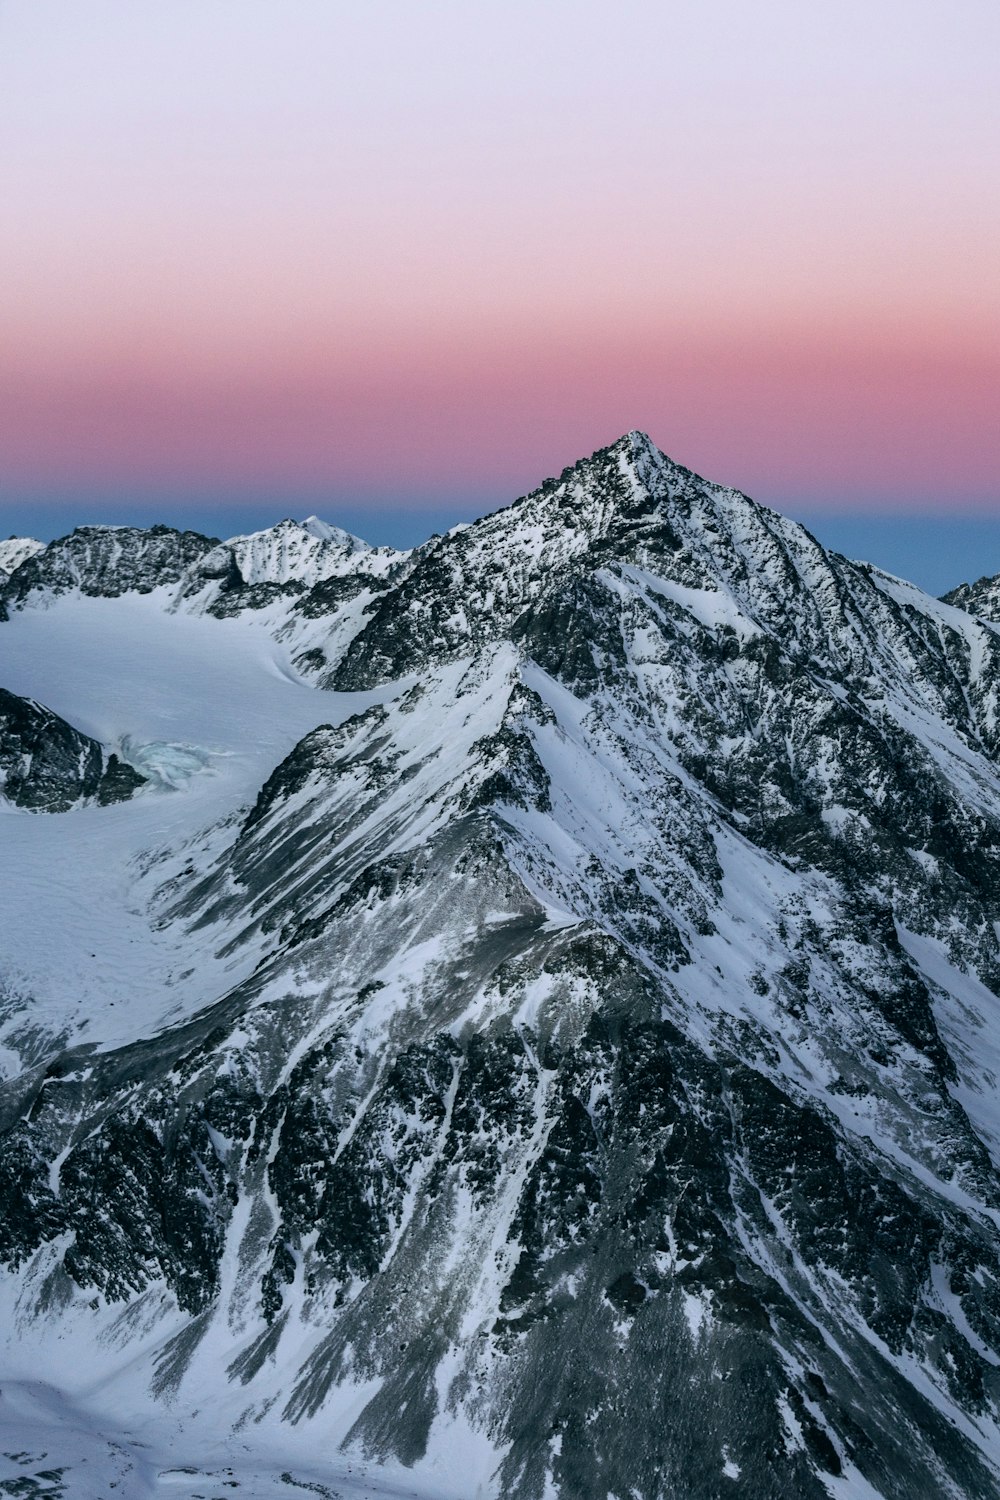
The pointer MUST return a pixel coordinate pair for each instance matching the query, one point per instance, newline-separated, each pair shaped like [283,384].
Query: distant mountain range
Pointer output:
[517,1017]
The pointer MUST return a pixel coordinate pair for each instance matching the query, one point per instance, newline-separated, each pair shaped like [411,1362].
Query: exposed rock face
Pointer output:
[614,1077]
[980,598]
[105,561]
[48,766]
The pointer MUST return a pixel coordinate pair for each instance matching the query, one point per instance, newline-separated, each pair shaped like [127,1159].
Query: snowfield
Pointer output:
[205,708]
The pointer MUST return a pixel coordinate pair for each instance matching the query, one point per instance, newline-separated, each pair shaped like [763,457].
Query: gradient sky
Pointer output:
[397,262]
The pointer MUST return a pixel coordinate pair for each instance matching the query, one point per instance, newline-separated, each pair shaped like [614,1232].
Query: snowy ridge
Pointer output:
[310,583]
[14,551]
[113,560]
[981,598]
[554,1059]
[302,552]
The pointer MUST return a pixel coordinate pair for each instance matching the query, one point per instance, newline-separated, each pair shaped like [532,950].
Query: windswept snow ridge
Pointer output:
[530,1034]
[297,553]
[14,551]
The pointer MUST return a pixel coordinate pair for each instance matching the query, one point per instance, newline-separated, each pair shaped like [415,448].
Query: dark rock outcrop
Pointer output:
[49,766]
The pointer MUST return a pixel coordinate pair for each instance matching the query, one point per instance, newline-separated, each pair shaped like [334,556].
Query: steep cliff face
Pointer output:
[105,561]
[604,1088]
[48,766]
[981,598]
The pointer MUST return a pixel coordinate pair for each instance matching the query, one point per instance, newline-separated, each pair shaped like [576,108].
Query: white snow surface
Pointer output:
[58,1440]
[206,708]
[15,550]
[303,551]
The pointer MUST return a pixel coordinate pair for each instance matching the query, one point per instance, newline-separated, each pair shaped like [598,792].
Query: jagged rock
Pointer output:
[981,598]
[48,766]
[105,561]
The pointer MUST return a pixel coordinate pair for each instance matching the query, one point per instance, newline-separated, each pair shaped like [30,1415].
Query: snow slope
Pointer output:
[304,552]
[15,550]
[204,708]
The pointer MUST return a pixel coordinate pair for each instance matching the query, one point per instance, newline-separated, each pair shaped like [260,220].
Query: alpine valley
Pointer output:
[516,1018]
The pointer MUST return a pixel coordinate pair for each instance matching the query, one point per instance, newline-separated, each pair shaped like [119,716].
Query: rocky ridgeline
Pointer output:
[106,561]
[980,598]
[614,1077]
[193,571]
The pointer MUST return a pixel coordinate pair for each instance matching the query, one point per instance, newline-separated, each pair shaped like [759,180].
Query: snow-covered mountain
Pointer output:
[534,1030]
[293,551]
[14,551]
[310,583]
[979,598]
[291,558]
[112,560]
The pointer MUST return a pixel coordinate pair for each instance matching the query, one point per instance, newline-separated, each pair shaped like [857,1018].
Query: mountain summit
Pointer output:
[545,1047]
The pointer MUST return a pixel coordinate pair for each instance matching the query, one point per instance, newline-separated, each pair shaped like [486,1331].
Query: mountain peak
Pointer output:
[648,473]
[323,531]
[636,441]
[16,550]
[625,506]
[320,533]
[637,447]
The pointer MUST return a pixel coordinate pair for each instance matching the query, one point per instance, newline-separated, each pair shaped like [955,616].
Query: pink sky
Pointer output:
[400,250]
